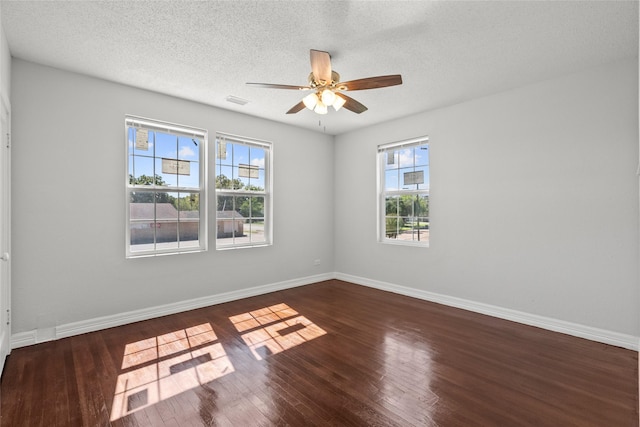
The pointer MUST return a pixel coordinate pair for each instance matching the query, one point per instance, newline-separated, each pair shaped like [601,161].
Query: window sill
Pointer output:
[227,248]
[404,243]
[157,254]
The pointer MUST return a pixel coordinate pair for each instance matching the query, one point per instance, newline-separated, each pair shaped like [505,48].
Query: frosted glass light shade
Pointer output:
[310,101]
[328,97]
[338,103]
[320,108]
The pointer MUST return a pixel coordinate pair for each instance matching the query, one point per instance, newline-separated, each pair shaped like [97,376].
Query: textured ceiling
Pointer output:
[446,51]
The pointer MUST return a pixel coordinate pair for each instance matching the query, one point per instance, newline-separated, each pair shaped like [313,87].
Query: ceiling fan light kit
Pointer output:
[319,102]
[327,86]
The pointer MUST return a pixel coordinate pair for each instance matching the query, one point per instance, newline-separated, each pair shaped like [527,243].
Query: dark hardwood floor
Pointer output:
[326,354]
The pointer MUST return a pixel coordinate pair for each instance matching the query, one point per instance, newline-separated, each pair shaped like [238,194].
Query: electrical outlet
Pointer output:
[316,262]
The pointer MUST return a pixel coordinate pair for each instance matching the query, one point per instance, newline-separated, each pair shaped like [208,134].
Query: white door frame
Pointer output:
[5,229]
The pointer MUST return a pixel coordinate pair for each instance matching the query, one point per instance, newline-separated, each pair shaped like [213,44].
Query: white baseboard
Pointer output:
[23,339]
[631,342]
[575,329]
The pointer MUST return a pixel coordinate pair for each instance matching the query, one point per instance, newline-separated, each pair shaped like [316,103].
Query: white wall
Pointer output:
[5,66]
[534,201]
[5,163]
[68,203]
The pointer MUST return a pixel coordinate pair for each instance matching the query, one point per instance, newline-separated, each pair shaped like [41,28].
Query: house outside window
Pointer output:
[243,192]
[165,188]
[403,192]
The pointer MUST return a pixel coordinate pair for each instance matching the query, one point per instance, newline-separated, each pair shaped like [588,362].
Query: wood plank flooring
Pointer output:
[327,354]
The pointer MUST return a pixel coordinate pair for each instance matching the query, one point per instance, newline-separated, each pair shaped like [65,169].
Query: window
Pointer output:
[403,208]
[165,190]
[243,192]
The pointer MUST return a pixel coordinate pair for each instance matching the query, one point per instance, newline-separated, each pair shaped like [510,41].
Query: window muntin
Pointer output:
[166,188]
[243,192]
[403,207]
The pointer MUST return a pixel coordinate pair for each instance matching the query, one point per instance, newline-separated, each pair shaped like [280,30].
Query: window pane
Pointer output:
[189,216]
[422,155]
[240,154]
[166,154]
[391,180]
[406,228]
[192,180]
[424,229]
[141,168]
[230,224]
[237,183]
[243,179]
[223,152]
[405,157]
[257,207]
[140,141]
[142,197]
[142,236]
[229,178]
[421,205]
[225,204]
[243,206]
[131,140]
[391,205]
[393,224]
[188,148]
[258,183]
[425,174]
[405,205]
[256,230]
[224,236]
[166,145]
[414,229]
[390,159]
[223,177]
[257,159]
[142,221]
[166,220]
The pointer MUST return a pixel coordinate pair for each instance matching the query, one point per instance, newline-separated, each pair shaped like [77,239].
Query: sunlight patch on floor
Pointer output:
[274,329]
[169,364]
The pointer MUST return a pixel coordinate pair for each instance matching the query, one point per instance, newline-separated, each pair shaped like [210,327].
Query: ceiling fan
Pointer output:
[327,87]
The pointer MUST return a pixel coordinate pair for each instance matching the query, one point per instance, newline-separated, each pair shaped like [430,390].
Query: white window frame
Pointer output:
[383,194]
[178,130]
[267,193]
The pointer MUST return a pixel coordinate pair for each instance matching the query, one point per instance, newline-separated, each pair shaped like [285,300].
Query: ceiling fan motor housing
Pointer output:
[335,79]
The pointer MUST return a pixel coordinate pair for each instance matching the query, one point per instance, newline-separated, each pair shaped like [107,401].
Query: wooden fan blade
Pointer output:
[351,104]
[277,86]
[299,106]
[371,82]
[321,66]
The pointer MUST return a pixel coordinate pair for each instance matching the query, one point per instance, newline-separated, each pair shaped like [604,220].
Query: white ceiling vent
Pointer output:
[236,100]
